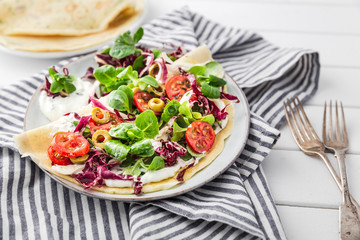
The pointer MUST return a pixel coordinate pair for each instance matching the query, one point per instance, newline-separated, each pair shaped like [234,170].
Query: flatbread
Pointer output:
[54,17]
[34,143]
[72,43]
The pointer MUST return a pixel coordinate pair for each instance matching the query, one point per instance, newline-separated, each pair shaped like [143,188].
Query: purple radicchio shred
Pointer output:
[148,63]
[96,170]
[105,173]
[90,175]
[109,60]
[84,120]
[53,67]
[89,73]
[230,97]
[106,59]
[180,175]
[218,114]
[164,70]
[170,151]
[76,115]
[97,103]
[66,71]
[138,186]
[193,83]
[179,52]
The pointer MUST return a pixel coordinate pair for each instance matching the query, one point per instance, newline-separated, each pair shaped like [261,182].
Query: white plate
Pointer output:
[233,145]
[133,27]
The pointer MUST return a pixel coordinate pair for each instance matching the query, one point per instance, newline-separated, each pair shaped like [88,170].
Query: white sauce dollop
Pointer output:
[119,183]
[68,169]
[54,108]
[164,173]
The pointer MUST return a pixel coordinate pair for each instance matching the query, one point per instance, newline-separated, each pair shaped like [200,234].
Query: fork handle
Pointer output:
[336,177]
[340,155]
[350,212]
[349,218]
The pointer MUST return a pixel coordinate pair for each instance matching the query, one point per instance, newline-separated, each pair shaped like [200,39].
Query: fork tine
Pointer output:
[331,133]
[308,124]
[304,130]
[324,123]
[338,137]
[345,135]
[299,138]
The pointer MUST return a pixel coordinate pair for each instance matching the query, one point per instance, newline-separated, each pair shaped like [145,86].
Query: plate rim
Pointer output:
[144,196]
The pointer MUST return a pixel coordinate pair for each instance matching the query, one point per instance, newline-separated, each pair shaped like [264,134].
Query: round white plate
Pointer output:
[233,145]
[133,27]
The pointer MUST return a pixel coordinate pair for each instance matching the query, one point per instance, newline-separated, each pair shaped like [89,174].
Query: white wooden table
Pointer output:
[306,196]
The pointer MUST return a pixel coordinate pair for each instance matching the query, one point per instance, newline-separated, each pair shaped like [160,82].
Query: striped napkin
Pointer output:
[236,205]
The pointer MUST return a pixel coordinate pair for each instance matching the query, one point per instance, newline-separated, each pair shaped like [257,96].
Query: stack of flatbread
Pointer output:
[66,25]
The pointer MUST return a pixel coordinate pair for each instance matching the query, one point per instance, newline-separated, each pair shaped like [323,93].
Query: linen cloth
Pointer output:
[236,205]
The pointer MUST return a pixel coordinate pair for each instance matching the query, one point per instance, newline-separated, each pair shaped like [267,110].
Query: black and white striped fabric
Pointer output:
[236,205]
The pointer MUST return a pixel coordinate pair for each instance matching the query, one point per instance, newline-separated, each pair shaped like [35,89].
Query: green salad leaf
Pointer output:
[148,123]
[142,148]
[134,170]
[210,91]
[178,132]
[116,149]
[126,131]
[207,78]
[125,44]
[121,99]
[156,164]
[171,109]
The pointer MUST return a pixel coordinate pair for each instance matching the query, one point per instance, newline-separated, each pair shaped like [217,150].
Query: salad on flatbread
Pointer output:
[143,120]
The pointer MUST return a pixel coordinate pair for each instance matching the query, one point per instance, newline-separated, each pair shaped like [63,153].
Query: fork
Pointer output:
[307,139]
[338,143]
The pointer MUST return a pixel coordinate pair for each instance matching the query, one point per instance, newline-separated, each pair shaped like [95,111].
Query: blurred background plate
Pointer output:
[100,40]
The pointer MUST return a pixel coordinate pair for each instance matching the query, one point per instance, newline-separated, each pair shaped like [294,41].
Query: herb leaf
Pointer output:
[171,109]
[120,100]
[116,149]
[210,91]
[61,82]
[156,164]
[148,123]
[124,45]
[142,148]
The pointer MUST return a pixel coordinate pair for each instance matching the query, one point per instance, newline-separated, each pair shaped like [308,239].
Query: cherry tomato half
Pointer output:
[114,121]
[69,144]
[56,158]
[200,136]
[142,99]
[177,86]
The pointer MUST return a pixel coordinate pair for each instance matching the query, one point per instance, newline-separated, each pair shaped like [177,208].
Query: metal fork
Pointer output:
[338,143]
[306,137]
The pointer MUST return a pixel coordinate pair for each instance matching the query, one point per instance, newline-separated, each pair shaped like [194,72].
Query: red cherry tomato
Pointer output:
[69,144]
[177,86]
[58,159]
[114,121]
[200,136]
[142,99]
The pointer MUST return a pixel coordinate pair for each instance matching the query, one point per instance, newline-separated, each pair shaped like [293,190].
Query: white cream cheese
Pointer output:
[68,169]
[54,108]
[119,183]
[164,173]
